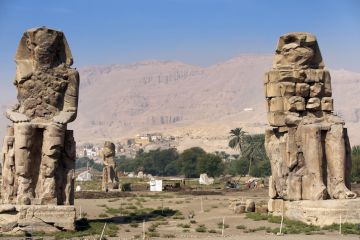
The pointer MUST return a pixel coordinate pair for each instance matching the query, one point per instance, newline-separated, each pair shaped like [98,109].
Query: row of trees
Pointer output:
[191,163]
[252,160]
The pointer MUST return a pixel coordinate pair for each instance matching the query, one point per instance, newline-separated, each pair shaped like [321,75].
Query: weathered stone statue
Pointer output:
[308,145]
[110,179]
[38,153]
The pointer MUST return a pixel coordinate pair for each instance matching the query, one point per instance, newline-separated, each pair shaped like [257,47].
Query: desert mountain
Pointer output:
[199,105]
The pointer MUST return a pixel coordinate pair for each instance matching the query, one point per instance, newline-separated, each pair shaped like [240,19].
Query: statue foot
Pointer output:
[342,192]
[320,192]
[347,195]
[24,200]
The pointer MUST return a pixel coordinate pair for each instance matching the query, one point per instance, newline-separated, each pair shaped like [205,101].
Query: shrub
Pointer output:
[241,226]
[201,228]
[168,236]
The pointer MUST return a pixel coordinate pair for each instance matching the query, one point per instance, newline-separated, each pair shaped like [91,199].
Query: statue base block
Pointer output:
[36,218]
[319,213]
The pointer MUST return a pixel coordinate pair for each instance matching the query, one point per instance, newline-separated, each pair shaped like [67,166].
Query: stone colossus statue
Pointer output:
[308,145]
[39,151]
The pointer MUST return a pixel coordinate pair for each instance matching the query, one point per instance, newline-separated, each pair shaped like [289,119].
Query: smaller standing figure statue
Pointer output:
[110,179]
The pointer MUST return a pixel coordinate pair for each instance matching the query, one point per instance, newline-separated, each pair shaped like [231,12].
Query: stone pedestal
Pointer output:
[320,212]
[36,218]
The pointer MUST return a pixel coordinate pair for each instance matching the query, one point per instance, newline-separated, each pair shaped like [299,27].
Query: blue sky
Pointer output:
[201,32]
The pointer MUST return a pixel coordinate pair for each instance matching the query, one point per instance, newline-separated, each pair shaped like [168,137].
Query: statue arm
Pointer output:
[69,112]
[13,115]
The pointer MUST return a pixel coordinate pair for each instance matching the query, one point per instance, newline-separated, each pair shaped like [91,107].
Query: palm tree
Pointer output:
[253,149]
[237,137]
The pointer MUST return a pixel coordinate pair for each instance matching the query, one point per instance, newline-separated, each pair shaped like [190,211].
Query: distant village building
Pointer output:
[129,147]
[142,139]
[84,176]
[88,150]
[155,137]
[90,153]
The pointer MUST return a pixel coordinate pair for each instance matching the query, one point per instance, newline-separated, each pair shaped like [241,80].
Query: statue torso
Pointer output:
[42,96]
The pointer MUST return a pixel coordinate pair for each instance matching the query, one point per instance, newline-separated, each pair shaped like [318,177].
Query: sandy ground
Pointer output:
[209,210]
[212,211]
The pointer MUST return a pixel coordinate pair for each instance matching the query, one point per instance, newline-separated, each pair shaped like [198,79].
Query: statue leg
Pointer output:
[105,179]
[313,182]
[336,161]
[69,166]
[111,177]
[69,187]
[8,185]
[115,180]
[64,175]
[23,142]
[52,148]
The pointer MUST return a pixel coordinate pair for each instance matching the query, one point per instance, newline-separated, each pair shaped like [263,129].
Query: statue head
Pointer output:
[41,48]
[109,149]
[297,51]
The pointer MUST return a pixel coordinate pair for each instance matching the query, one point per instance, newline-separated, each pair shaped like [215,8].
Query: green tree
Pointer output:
[261,169]
[254,149]
[355,168]
[85,161]
[237,137]
[125,164]
[253,160]
[173,168]
[188,161]
[156,161]
[237,167]
[210,164]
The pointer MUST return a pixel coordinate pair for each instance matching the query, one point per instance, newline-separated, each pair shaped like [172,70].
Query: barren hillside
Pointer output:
[198,104]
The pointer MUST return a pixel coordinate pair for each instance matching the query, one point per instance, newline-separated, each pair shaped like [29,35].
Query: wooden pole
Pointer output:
[143,229]
[162,206]
[340,225]
[202,206]
[282,221]
[102,233]
[223,227]
[282,218]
